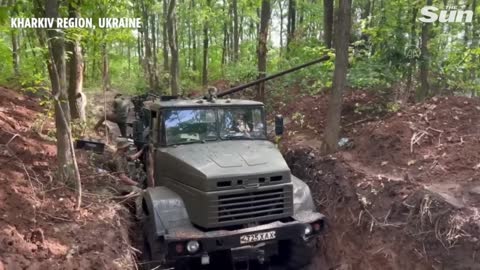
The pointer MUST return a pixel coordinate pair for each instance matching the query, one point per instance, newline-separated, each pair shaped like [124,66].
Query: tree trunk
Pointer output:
[93,67]
[15,38]
[205,51]
[67,166]
[189,37]
[262,47]
[154,69]
[291,21]
[366,10]
[194,45]
[253,33]
[75,64]
[257,26]
[372,11]
[224,45]
[342,36]
[475,41]
[59,89]
[280,7]
[225,37]
[75,81]
[301,16]
[236,39]
[413,59]
[149,73]
[31,43]
[241,31]
[15,53]
[139,49]
[165,36]
[328,22]
[194,53]
[173,43]
[424,90]
[106,83]
[129,59]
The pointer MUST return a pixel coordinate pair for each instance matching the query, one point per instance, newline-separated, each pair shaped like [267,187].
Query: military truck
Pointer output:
[223,195]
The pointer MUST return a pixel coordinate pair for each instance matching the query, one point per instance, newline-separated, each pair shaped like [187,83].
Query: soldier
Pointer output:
[120,165]
[120,161]
[118,116]
[240,124]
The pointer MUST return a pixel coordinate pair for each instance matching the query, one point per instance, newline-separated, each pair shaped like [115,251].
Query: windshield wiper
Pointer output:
[237,137]
[196,141]
[190,142]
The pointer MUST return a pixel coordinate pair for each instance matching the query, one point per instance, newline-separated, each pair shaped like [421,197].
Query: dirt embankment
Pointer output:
[406,195]
[305,117]
[39,228]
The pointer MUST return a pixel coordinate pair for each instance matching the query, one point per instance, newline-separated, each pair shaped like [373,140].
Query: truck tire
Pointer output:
[147,263]
[148,256]
[299,255]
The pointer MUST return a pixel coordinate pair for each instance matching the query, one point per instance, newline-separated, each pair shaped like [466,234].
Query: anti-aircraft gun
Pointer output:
[142,114]
[223,195]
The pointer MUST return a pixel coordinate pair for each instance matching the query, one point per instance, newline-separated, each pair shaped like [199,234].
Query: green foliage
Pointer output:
[380,51]
[243,71]
[370,109]
[6,67]
[312,79]
[393,107]
[371,74]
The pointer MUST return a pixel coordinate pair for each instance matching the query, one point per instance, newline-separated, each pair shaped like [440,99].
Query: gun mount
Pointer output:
[142,115]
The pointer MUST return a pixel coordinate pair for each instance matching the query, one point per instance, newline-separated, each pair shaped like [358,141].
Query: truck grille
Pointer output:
[254,205]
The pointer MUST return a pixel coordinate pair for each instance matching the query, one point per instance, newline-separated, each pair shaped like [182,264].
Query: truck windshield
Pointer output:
[241,123]
[197,125]
[190,125]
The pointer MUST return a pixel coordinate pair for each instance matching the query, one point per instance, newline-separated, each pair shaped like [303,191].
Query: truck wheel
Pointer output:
[146,256]
[150,260]
[139,212]
[300,254]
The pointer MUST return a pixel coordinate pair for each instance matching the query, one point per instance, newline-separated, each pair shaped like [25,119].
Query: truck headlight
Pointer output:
[308,230]
[193,246]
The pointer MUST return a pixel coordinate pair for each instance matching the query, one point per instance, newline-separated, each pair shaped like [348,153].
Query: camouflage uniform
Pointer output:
[120,165]
[119,115]
[120,112]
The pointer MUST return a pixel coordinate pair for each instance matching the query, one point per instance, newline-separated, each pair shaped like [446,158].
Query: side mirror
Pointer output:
[278,125]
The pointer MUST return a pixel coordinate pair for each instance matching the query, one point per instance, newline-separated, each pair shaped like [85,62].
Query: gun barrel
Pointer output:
[273,76]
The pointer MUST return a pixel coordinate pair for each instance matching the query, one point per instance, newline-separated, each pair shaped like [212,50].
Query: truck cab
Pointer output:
[223,195]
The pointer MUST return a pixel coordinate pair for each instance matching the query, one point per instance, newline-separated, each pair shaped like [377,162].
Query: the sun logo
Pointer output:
[450,15]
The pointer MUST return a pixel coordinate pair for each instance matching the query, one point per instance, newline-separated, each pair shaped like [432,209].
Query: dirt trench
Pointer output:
[376,222]
[39,226]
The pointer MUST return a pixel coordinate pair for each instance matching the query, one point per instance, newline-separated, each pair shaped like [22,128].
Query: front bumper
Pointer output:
[249,243]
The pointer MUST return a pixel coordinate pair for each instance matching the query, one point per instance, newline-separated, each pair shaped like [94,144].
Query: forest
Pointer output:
[383,131]
[201,42]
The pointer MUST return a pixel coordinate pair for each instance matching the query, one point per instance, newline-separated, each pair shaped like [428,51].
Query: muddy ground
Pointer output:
[39,228]
[403,193]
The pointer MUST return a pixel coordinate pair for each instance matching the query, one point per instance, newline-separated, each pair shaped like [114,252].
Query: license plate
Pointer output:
[257,237]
